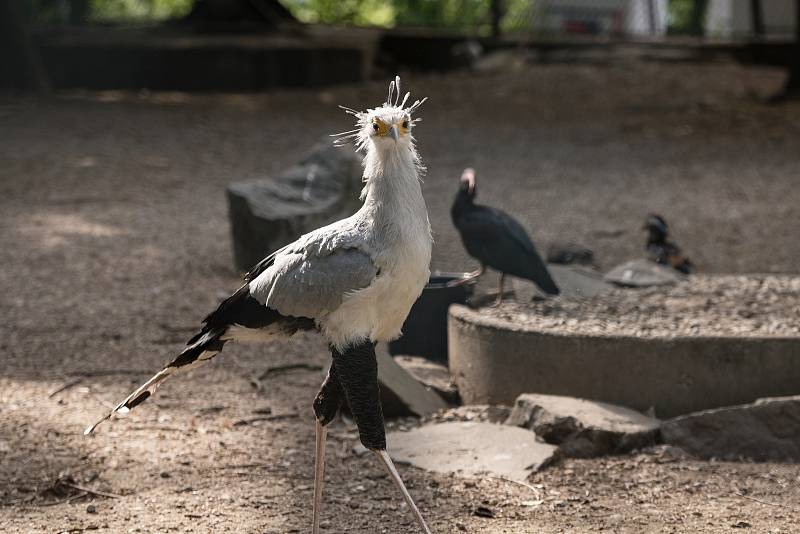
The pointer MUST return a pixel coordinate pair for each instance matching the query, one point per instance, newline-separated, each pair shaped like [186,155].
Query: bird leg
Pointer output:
[467,277]
[386,460]
[319,474]
[326,405]
[500,290]
[357,369]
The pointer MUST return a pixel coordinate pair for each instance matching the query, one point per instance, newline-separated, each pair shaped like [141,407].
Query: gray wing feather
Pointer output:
[303,285]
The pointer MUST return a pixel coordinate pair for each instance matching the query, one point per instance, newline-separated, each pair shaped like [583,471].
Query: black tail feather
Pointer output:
[239,309]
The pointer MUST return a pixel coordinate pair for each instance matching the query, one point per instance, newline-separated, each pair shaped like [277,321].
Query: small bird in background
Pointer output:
[660,249]
[354,281]
[496,240]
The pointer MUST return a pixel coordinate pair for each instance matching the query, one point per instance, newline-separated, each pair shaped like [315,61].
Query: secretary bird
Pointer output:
[496,239]
[353,280]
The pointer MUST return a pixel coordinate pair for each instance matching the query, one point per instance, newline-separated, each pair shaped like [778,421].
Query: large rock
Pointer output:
[471,449]
[267,214]
[583,428]
[643,273]
[767,431]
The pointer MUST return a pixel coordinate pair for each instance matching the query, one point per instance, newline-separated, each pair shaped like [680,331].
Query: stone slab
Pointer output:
[434,376]
[583,428]
[472,449]
[401,393]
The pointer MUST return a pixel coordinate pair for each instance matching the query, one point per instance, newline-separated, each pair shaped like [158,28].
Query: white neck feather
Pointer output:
[392,180]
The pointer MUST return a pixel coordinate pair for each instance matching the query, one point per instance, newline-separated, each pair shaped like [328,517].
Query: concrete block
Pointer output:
[494,360]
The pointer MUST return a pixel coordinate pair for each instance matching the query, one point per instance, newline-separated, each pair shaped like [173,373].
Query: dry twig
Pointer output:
[754,499]
[64,387]
[289,367]
[275,417]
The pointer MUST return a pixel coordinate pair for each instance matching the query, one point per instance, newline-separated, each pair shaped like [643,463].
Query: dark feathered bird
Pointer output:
[660,249]
[496,239]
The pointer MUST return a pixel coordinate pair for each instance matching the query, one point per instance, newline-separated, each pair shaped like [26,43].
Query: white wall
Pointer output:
[732,18]
[630,17]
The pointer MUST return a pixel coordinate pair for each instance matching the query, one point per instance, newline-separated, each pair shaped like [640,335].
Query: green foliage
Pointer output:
[686,16]
[442,13]
[459,14]
[350,12]
[138,10]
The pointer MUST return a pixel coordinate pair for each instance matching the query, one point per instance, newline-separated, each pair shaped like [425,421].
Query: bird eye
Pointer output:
[405,125]
[375,126]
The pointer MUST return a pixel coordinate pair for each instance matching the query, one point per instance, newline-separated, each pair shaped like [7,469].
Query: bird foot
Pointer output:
[386,461]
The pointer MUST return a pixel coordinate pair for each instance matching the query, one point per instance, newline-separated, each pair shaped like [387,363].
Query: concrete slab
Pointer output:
[471,449]
[767,430]
[401,393]
[583,428]
[434,376]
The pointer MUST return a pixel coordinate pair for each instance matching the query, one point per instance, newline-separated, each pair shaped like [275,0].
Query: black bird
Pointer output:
[497,240]
[660,249]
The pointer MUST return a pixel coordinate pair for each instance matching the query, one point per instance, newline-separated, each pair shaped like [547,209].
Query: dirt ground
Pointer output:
[115,243]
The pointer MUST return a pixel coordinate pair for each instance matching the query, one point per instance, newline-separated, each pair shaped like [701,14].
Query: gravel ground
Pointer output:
[703,305]
[115,244]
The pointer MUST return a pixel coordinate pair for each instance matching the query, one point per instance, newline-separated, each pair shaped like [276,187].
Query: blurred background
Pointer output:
[152,150]
[579,116]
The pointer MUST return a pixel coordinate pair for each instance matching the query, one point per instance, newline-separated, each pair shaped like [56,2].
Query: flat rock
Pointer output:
[471,449]
[643,273]
[401,393]
[434,376]
[766,431]
[266,214]
[574,281]
[583,428]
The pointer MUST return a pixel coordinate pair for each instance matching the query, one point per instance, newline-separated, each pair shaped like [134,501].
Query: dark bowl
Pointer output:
[425,329]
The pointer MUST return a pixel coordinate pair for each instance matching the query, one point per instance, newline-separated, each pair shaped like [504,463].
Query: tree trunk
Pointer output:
[78,11]
[496,13]
[698,17]
[793,80]
[269,12]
